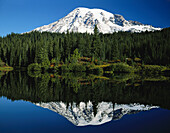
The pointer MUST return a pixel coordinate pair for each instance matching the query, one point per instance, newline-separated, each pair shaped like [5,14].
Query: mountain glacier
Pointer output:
[84,114]
[84,20]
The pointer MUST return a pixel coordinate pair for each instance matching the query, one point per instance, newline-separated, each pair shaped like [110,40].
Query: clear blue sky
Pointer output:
[19,16]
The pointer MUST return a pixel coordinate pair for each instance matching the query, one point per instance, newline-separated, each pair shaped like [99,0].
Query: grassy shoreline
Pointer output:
[7,68]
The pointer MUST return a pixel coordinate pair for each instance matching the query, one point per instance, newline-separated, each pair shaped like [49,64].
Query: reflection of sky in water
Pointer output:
[21,116]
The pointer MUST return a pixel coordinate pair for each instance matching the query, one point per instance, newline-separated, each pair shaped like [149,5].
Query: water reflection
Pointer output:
[83,114]
[88,99]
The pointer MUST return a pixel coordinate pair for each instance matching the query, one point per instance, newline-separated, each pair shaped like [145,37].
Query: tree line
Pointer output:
[23,49]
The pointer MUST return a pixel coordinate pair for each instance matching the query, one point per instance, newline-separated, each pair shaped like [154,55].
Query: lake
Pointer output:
[51,103]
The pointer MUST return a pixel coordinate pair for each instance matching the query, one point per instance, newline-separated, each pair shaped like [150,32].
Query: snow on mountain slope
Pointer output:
[83,20]
[83,114]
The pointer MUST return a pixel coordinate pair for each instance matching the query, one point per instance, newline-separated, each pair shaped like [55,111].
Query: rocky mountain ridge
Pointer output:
[84,20]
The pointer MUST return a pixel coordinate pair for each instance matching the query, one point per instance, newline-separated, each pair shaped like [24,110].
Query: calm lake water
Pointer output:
[47,103]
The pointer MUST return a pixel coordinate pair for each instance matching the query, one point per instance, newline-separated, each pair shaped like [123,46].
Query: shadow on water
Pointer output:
[70,88]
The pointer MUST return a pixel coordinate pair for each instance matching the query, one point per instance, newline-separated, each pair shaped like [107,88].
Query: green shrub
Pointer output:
[77,67]
[121,68]
[2,64]
[34,74]
[45,76]
[34,67]
[64,68]
[153,69]
[56,68]
[45,65]
[53,61]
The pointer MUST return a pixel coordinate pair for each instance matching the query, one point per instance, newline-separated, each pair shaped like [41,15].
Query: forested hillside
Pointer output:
[24,49]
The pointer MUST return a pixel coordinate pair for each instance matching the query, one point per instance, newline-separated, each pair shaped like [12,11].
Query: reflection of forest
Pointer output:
[1,74]
[123,89]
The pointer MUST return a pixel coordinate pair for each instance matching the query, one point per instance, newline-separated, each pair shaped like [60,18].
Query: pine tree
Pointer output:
[96,43]
[115,51]
[42,56]
[75,56]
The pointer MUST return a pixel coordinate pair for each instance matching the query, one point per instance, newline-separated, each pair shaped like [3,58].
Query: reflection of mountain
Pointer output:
[83,114]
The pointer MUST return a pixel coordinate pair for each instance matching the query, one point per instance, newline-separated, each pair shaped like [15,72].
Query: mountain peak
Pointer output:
[84,20]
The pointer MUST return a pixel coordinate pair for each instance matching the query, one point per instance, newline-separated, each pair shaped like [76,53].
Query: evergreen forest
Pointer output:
[20,50]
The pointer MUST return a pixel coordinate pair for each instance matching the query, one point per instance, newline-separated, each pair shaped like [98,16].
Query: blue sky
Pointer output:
[19,16]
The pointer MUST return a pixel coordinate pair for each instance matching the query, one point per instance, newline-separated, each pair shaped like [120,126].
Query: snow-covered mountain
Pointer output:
[84,20]
[83,114]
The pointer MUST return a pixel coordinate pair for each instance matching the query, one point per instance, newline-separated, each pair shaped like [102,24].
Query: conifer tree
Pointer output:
[75,56]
